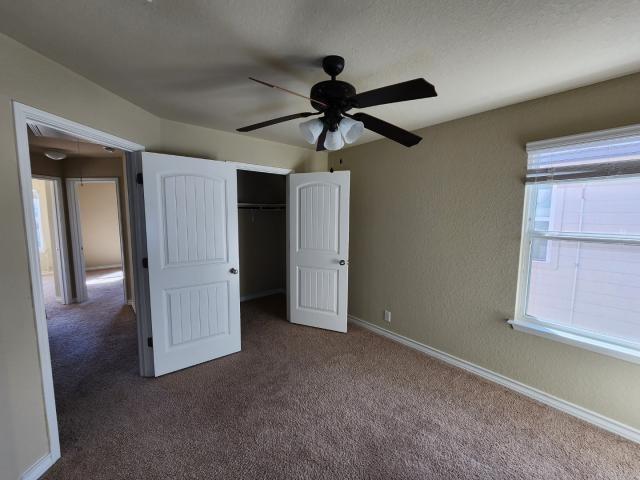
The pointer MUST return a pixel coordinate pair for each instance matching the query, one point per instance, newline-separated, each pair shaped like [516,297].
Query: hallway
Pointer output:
[92,344]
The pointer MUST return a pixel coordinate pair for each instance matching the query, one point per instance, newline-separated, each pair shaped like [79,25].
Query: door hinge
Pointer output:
[145,262]
[139,179]
[150,342]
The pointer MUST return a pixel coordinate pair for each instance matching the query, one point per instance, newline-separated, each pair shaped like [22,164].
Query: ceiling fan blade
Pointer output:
[388,130]
[320,144]
[400,92]
[276,120]
[271,85]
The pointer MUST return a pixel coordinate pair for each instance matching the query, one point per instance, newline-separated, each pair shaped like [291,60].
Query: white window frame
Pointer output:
[549,220]
[615,347]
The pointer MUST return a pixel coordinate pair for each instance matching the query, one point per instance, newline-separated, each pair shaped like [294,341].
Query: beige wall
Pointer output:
[32,79]
[100,227]
[435,236]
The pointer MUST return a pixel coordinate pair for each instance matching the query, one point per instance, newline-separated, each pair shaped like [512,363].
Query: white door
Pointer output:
[192,247]
[318,210]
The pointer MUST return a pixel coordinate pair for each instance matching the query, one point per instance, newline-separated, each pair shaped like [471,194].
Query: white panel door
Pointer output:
[318,210]
[192,242]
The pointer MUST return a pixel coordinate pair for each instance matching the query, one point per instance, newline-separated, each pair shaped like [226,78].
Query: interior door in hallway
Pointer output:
[318,210]
[192,242]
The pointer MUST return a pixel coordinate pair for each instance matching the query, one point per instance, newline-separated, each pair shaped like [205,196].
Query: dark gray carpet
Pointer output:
[300,403]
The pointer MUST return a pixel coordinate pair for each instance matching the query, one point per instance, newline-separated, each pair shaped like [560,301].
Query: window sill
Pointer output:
[618,351]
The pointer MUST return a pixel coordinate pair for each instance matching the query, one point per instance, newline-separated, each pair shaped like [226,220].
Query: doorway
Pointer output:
[97,239]
[92,336]
[51,239]
[65,138]
[262,234]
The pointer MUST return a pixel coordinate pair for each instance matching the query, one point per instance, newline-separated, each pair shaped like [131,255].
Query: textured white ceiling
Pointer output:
[188,60]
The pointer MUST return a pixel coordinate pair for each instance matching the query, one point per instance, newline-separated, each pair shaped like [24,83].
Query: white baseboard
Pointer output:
[103,267]
[582,413]
[132,304]
[35,471]
[266,293]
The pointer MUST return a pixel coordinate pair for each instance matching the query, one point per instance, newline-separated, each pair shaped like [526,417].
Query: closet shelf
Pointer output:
[262,206]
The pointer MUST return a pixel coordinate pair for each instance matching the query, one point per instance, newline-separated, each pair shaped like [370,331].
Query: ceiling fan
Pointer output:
[334,98]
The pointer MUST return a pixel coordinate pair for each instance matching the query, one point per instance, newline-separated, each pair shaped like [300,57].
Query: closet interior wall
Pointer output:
[262,233]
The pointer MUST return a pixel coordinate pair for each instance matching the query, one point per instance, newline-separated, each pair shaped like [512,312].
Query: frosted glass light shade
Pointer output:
[334,140]
[351,129]
[55,155]
[311,130]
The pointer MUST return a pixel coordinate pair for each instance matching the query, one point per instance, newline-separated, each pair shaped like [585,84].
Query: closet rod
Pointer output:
[262,206]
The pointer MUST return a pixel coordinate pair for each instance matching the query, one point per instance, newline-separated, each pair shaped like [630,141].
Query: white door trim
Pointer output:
[77,255]
[60,237]
[33,115]
[75,224]
[137,225]
[252,167]
[22,115]
[39,467]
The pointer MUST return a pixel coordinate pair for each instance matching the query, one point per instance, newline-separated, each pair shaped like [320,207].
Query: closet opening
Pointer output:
[262,232]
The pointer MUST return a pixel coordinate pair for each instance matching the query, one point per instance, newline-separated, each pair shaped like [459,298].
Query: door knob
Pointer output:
[234,271]
[342,262]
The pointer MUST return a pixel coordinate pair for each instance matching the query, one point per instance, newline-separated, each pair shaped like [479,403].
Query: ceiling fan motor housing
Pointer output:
[334,93]
[333,65]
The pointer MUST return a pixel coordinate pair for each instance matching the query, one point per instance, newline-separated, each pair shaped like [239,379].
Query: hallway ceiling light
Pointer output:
[55,155]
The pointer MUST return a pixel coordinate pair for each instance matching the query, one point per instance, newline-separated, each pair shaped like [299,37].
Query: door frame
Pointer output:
[252,167]
[61,256]
[22,116]
[75,225]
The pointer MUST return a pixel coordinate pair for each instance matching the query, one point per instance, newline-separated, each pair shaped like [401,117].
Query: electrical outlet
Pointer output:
[387,316]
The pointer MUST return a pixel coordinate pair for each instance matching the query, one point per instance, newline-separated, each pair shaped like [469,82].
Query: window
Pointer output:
[580,260]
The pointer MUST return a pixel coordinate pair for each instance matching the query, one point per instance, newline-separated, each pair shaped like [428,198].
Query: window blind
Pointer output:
[607,153]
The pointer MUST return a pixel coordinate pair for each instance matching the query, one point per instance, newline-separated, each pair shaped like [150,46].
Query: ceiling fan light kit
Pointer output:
[351,129]
[348,131]
[333,140]
[311,130]
[334,98]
